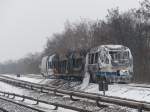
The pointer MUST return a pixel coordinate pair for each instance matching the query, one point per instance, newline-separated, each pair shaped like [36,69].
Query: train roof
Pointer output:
[109,48]
[115,47]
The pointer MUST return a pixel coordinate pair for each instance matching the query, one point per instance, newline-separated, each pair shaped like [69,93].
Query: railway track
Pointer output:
[39,77]
[9,105]
[81,95]
[56,100]
[141,86]
[10,96]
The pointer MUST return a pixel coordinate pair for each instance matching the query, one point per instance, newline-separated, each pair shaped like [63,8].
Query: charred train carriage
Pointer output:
[113,63]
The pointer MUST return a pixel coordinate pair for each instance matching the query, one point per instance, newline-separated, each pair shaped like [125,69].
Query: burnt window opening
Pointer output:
[126,55]
[89,59]
[113,54]
[96,58]
[107,61]
[50,65]
[92,58]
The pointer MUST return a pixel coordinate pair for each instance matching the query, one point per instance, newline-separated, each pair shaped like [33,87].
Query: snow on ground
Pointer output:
[123,91]
[118,90]
[10,88]
[30,79]
[85,81]
[46,81]
[24,78]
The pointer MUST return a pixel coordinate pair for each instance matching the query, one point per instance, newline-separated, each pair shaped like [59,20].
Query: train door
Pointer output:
[93,65]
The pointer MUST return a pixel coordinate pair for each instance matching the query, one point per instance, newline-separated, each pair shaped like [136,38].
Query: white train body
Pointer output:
[46,69]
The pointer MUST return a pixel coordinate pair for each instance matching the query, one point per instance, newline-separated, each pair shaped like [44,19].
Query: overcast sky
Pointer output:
[25,24]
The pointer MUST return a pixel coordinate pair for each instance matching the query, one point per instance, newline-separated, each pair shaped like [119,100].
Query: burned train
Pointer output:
[64,65]
[112,63]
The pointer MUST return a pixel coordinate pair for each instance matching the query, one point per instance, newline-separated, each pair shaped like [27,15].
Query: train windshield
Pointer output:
[119,57]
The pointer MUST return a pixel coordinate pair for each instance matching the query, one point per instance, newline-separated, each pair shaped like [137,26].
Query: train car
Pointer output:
[46,66]
[71,64]
[43,66]
[112,63]
[63,65]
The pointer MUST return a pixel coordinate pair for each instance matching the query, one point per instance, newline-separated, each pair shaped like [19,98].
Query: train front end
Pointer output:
[121,62]
[114,63]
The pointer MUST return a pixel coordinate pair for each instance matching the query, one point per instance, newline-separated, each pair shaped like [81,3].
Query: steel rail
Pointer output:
[22,81]
[98,98]
[51,88]
[21,104]
[40,101]
[46,88]
[139,86]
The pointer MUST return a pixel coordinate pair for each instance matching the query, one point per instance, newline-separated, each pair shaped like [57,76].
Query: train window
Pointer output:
[89,59]
[64,65]
[50,65]
[125,55]
[113,54]
[104,59]
[92,58]
[107,61]
[78,62]
[119,55]
[96,58]
[73,61]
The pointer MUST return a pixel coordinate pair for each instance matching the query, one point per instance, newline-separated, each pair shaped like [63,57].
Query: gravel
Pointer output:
[11,107]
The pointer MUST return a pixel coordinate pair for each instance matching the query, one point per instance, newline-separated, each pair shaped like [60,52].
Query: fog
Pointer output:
[25,24]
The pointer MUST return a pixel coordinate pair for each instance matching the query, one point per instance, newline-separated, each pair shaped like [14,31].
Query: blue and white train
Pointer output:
[113,63]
